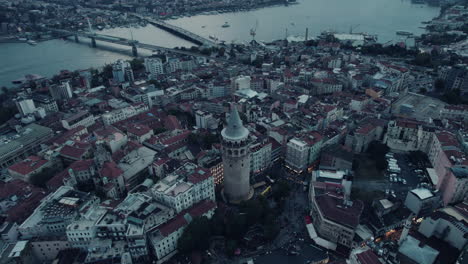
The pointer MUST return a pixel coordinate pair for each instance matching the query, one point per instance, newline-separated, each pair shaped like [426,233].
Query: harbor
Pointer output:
[270,23]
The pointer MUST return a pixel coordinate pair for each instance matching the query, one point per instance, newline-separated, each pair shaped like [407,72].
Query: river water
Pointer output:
[381,17]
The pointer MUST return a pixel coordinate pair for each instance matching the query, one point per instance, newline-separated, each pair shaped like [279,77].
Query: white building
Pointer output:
[202,119]
[239,83]
[184,187]
[302,152]
[61,92]
[421,201]
[164,238]
[154,66]
[173,65]
[56,212]
[122,71]
[447,224]
[297,154]
[115,116]
[260,156]
[25,106]
[82,118]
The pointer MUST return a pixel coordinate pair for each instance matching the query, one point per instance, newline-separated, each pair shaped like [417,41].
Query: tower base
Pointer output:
[225,199]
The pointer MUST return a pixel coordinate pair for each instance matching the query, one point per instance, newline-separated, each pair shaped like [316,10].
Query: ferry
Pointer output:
[226,24]
[32,42]
[404,33]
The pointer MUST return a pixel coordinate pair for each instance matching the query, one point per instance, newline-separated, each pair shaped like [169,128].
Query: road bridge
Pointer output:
[178,31]
[124,42]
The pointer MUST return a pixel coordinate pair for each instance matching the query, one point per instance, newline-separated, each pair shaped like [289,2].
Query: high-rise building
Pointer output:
[236,159]
[61,92]
[25,106]
[122,71]
[154,66]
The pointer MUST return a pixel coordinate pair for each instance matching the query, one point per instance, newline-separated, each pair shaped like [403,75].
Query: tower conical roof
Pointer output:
[234,129]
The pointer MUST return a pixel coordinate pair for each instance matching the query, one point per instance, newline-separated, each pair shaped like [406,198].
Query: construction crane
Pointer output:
[353,28]
[90,28]
[253,31]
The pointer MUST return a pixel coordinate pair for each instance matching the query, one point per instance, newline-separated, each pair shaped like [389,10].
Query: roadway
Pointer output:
[189,35]
[131,43]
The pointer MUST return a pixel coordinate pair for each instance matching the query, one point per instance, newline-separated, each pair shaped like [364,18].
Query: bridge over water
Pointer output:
[178,31]
[122,41]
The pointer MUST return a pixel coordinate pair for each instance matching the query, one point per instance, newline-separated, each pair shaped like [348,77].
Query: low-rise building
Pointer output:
[184,187]
[30,166]
[55,213]
[27,142]
[422,201]
[449,224]
[82,118]
[163,239]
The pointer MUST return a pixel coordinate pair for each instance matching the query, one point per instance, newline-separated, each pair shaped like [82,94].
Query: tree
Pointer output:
[196,236]
[377,149]
[217,223]
[232,53]
[439,85]
[107,72]
[271,230]
[236,226]
[253,210]
[40,179]
[221,52]
[423,59]
[137,64]
[6,113]
[231,246]
[281,190]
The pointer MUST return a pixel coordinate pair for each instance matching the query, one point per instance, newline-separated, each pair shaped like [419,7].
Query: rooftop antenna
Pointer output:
[351,28]
[90,28]
[131,34]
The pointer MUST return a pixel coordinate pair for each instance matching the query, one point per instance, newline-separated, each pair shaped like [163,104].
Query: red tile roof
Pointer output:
[28,165]
[179,221]
[81,165]
[138,129]
[55,182]
[111,170]
[173,225]
[72,152]
[333,209]
[368,257]
[199,175]
[171,122]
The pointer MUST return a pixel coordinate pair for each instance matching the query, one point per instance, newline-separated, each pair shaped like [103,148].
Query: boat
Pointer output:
[225,25]
[404,33]
[32,42]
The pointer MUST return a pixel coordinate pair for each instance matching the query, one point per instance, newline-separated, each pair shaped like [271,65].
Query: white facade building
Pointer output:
[115,116]
[297,154]
[25,106]
[183,188]
[61,92]
[202,119]
[154,66]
